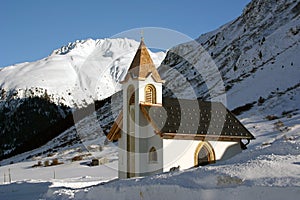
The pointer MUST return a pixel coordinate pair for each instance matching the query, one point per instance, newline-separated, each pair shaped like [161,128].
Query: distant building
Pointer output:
[155,134]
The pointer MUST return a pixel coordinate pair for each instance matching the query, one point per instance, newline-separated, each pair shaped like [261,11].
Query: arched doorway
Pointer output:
[204,154]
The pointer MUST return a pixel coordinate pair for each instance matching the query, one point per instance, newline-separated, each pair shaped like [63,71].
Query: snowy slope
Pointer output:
[75,74]
[255,56]
[86,138]
[267,170]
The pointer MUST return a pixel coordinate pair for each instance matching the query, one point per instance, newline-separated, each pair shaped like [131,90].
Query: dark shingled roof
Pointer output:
[195,119]
[190,120]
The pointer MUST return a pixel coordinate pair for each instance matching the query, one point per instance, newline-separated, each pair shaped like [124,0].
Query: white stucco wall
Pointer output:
[225,150]
[146,138]
[181,152]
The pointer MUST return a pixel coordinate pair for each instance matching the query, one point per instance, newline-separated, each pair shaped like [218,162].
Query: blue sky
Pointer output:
[32,29]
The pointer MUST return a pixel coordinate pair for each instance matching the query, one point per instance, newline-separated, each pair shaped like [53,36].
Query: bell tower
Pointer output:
[140,149]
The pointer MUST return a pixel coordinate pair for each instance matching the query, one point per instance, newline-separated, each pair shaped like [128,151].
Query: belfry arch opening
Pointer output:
[150,94]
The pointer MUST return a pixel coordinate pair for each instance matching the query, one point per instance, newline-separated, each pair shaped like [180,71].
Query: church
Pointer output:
[156,134]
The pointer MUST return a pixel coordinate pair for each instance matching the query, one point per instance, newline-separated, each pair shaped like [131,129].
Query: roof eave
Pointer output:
[202,137]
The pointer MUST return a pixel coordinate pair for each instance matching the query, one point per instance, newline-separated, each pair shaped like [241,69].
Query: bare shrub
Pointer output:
[95,162]
[50,154]
[103,161]
[56,162]
[278,124]
[77,158]
[46,163]
[39,164]
[271,117]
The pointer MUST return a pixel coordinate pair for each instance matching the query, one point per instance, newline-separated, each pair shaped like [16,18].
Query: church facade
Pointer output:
[156,134]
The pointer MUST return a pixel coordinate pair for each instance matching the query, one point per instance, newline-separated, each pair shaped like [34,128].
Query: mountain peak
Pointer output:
[79,72]
[70,46]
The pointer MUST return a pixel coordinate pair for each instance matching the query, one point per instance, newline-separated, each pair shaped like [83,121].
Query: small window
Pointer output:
[150,94]
[152,155]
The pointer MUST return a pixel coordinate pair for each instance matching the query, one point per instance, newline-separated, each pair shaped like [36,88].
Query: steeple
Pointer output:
[142,65]
[142,86]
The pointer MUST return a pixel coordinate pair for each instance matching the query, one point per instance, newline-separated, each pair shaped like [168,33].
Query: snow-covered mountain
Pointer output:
[36,99]
[255,54]
[76,74]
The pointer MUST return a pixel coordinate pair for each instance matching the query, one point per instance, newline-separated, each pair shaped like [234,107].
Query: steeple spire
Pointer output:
[142,65]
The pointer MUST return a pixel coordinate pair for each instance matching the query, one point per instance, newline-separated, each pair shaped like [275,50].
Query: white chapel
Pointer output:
[156,134]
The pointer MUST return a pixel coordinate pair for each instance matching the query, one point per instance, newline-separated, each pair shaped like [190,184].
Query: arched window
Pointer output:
[150,94]
[132,98]
[204,154]
[152,155]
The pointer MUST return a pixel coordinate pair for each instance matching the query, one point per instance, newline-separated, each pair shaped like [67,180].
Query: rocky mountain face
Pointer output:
[251,64]
[251,58]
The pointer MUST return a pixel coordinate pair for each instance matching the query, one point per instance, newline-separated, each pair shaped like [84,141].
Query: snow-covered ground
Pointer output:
[268,169]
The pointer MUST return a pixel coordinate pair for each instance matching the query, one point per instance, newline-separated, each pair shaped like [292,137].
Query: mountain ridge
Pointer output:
[76,74]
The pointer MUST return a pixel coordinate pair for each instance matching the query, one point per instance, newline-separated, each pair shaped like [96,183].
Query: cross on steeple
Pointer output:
[142,34]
